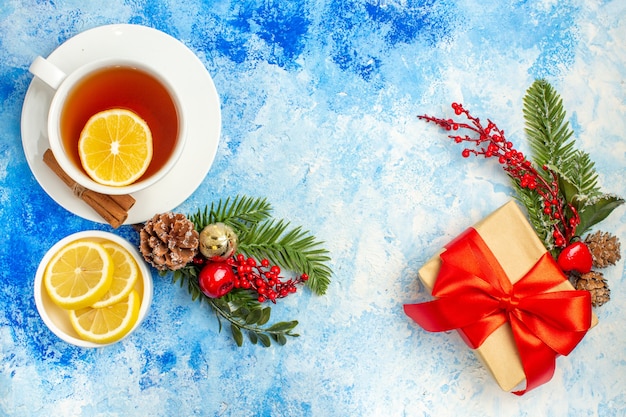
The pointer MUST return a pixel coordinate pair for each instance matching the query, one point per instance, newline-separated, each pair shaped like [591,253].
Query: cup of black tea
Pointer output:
[99,87]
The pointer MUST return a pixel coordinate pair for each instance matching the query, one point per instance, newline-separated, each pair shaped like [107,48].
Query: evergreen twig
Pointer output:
[548,133]
[260,236]
[550,139]
[294,249]
[239,213]
[559,185]
[263,237]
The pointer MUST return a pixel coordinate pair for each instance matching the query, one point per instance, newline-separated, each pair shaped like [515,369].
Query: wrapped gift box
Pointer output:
[517,248]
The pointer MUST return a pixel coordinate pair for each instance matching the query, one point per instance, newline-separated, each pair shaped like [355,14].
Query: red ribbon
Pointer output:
[474,295]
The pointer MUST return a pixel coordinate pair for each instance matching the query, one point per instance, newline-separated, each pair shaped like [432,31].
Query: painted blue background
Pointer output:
[319,102]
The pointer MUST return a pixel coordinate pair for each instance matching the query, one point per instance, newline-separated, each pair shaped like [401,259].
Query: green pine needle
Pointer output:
[263,237]
[541,222]
[239,213]
[548,132]
[295,250]
[260,237]
[582,175]
[550,139]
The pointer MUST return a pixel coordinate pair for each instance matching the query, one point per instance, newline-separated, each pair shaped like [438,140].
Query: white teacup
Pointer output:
[106,84]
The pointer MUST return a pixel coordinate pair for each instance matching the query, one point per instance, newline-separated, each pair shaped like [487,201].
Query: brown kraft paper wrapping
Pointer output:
[517,247]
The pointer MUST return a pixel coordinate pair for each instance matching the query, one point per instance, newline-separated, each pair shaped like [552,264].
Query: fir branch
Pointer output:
[548,132]
[559,186]
[550,138]
[582,175]
[260,237]
[541,222]
[263,237]
[296,250]
[239,213]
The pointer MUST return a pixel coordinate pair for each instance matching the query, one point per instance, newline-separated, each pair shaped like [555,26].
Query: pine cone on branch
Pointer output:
[605,249]
[595,283]
[168,241]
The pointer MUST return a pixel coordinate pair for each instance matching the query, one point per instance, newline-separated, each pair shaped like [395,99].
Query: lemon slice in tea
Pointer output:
[115,147]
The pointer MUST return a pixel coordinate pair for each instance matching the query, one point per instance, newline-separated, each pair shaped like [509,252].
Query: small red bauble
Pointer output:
[576,257]
[216,279]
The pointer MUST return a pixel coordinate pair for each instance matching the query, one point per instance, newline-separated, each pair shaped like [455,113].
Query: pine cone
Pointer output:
[168,241]
[595,283]
[605,249]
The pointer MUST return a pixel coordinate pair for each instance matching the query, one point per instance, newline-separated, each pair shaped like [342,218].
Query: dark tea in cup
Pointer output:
[118,85]
[127,88]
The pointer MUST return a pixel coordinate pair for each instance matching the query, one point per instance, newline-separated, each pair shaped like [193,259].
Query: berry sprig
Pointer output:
[559,188]
[490,142]
[214,254]
[218,278]
[263,278]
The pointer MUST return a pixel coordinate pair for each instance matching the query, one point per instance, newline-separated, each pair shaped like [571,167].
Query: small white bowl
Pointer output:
[57,319]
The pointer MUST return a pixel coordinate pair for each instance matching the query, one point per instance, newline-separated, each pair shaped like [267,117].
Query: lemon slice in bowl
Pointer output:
[125,274]
[115,147]
[79,274]
[107,324]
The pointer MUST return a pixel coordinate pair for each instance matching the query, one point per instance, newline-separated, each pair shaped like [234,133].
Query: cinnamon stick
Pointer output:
[112,208]
[125,201]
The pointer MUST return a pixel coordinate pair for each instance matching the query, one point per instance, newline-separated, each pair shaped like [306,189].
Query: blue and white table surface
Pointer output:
[319,101]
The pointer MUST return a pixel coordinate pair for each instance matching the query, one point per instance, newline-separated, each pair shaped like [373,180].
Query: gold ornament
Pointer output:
[218,242]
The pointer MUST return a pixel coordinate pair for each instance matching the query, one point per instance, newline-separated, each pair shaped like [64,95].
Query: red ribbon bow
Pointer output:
[475,296]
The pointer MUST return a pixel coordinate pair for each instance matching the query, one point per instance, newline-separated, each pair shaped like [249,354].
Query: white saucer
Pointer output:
[197,93]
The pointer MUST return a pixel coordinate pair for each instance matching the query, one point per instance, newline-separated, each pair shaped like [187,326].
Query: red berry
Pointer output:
[576,257]
[216,279]
[198,260]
